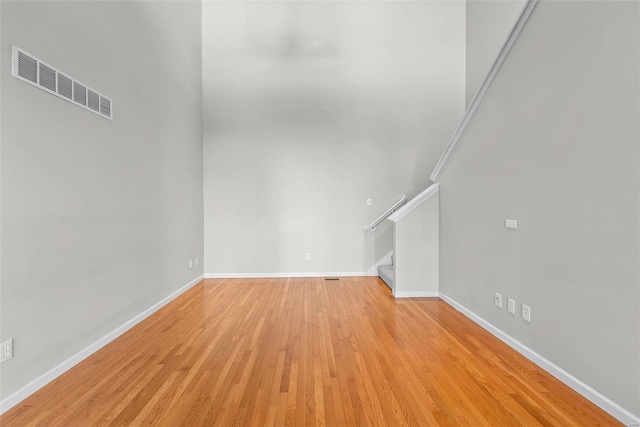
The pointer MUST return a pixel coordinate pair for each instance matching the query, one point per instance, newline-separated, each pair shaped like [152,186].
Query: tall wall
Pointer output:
[416,250]
[489,22]
[310,108]
[99,217]
[555,145]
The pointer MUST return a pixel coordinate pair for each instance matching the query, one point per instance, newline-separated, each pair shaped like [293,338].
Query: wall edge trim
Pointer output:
[416,294]
[287,274]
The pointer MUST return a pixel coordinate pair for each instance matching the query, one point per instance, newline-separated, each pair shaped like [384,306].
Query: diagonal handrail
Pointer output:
[386,213]
[513,36]
[414,203]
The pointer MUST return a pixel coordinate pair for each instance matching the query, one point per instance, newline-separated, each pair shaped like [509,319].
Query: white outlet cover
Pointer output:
[511,306]
[190,263]
[369,202]
[306,257]
[526,313]
[497,299]
[7,350]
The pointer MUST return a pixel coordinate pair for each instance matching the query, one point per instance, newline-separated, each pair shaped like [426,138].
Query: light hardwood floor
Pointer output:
[302,352]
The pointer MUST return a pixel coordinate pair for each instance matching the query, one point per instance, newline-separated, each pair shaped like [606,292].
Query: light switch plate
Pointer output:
[511,306]
[511,223]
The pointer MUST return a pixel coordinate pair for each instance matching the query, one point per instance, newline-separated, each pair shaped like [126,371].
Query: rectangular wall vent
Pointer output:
[93,99]
[27,68]
[47,77]
[30,69]
[65,86]
[105,106]
[80,94]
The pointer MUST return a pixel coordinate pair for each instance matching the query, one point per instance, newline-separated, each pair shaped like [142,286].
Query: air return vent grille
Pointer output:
[80,94]
[93,100]
[27,68]
[47,77]
[30,69]
[105,106]
[65,86]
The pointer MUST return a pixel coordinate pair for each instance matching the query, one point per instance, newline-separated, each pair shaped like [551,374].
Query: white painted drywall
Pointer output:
[99,217]
[489,22]
[416,248]
[310,108]
[555,145]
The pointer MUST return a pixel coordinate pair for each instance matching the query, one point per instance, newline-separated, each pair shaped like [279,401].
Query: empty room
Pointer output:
[319,212]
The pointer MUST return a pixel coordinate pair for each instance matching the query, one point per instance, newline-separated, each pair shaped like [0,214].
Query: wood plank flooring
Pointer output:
[299,352]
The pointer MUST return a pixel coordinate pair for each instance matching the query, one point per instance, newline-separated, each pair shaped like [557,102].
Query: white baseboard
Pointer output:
[373,271]
[15,398]
[606,404]
[416,294]
[300,274]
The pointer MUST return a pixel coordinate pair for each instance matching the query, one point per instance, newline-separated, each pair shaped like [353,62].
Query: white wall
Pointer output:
[489,22]
[416,248]
[555,145]
[99,217]
[309,109]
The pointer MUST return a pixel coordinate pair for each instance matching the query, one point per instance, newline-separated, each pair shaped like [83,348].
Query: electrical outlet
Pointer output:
[511,306]
[511,224]
[7,350]
[190,263]
[196,261]
[306,257]
[369,201]
[497,299]
[526,313]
